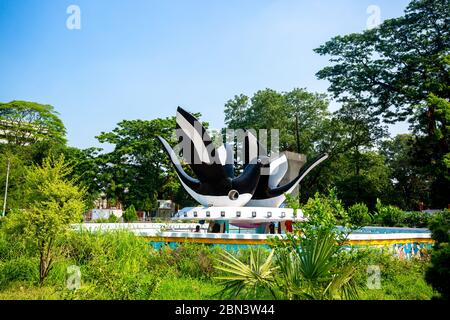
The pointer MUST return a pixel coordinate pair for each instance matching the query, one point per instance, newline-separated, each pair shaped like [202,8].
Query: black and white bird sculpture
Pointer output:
[215,183]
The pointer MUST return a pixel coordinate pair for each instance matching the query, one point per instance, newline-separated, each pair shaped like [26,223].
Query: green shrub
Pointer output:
[389,216]
[359,214]
[400,279]
[115,264]
[112,218]
[325,211]
[10,248]
[417,219]
[130,214]
[438,274]
[187,260]
[440,225]
[23,269]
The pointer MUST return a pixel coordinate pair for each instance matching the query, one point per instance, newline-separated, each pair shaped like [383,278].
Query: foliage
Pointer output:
[191,260]
[417,219]
[301,266]
[389,216]
[250,278]
[23,123]
[292,202]
[86,166]
[399,279]
[114,263]
[137,171]
[53,203]
[409,187]
[438,274]
[130,214]
[16,185]
[359,214]
[22,269]
[400,71]
[362,178]
[324,212]
[440,226]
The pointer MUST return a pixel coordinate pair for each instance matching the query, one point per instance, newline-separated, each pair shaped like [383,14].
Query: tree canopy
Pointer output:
[137,171]
[400,71]
[24,123]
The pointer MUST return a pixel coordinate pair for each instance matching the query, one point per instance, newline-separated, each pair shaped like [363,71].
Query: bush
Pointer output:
[130,214]
[188,260]
[114,265]
[112,218]
[325,211]
[438,274]
[23,269]
[400,279]
[417,219]
[359,214]
[440,225]
[389,216]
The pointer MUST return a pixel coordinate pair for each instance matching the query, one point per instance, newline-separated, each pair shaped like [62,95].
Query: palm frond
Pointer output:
[258,273]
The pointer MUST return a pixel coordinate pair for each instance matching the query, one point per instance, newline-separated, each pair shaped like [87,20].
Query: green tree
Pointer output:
[307,111]
[359,214]
[16,181]
[130,214]
[53,203]
[86,170]
[23,123]
[298,115]
[138,168]
[400,71]
[438,273]
[362,177]
[409,185]
[348,137]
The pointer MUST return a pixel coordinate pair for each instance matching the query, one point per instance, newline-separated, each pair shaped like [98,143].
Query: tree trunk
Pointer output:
[45,261]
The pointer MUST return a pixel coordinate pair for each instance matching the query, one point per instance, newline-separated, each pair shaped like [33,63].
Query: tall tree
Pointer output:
[409,186]
[53,203]
[298,115]
[307,112]
[24,123]
[137,171]
[395,70]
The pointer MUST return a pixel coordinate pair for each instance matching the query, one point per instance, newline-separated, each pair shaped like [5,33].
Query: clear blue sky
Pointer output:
[141,59]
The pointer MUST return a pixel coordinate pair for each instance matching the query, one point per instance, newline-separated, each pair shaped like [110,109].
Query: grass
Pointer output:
[25,291]
[399,279]
[187,289]
[119,265]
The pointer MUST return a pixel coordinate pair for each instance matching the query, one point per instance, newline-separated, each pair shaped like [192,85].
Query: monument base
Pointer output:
[236,215]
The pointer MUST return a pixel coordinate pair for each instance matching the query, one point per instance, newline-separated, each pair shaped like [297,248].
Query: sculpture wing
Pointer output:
[198,150]
[192,183]
[303,172]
